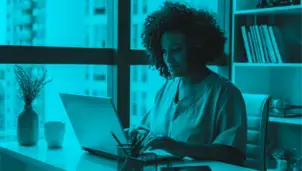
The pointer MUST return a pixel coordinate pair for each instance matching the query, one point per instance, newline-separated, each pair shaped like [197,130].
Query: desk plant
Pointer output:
[28,120]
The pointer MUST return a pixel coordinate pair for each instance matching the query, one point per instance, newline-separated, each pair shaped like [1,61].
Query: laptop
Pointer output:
[93,119]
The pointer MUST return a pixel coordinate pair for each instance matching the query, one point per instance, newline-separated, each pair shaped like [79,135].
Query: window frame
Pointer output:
[121,57]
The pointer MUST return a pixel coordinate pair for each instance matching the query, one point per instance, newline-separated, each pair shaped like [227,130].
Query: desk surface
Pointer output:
[72,158]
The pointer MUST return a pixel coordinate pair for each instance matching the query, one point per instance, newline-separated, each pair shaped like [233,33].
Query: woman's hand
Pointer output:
[161,142]
[137,133]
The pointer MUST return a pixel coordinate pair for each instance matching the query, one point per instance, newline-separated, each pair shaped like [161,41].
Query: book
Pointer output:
[256,45]
[275,45]
[263,44]
[252,47]
[262,55]
[246,44]
[280,43]
[269,44]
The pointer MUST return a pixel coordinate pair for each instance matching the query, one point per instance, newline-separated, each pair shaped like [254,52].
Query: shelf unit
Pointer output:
[293,9]
[292,121]
[288,65]
[280,80]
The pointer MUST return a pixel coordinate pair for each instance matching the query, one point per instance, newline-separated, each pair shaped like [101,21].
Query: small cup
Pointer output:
[54,134]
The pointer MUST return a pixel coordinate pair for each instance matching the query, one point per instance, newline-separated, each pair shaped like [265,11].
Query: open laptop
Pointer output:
[93,119]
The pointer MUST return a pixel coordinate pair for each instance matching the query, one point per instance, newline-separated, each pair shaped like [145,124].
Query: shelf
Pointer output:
[293,9]
[292,121]
[267,65]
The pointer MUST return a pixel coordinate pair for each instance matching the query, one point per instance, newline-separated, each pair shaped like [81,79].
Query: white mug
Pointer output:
[54,134]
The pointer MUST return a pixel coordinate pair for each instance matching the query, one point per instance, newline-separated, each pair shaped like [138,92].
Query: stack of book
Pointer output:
[263,43]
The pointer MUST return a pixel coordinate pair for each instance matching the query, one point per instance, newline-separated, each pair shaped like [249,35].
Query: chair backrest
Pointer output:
[257,106]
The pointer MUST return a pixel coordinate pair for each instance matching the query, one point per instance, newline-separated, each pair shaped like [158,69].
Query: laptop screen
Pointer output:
[93,119]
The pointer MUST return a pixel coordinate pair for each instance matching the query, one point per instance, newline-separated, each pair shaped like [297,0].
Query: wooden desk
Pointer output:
[70,158]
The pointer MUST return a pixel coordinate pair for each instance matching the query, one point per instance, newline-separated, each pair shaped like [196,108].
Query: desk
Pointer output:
[70,158]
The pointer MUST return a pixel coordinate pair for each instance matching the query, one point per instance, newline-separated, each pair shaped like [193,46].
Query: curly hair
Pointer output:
[205,38]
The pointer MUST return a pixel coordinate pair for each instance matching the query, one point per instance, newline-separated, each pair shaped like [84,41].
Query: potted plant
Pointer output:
[28,120]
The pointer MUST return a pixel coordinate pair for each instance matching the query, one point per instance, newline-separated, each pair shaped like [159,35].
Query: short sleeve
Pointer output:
[231,119]
[145,120]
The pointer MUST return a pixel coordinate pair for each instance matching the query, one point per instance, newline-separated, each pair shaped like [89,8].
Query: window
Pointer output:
[134,7]
[99,36]
[87,8]
[209,5]
[134,103]
[76,79]
[138,16]
[99,7]
[55,23]
[144,6]
[143,92]
[135,35]
[89,32]
[134,74]
[144,96]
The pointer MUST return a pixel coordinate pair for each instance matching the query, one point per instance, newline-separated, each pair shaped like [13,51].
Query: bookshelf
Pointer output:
[266,58]
[266,52]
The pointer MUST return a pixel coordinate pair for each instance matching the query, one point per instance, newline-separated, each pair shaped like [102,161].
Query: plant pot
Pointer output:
[282,165]
[28,127]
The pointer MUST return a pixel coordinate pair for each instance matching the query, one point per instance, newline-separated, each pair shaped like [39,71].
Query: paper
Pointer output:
[159,152]
[166,154]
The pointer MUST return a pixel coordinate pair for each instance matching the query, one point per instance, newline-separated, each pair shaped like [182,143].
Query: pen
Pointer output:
[134,140]
[137,145]
[118,142]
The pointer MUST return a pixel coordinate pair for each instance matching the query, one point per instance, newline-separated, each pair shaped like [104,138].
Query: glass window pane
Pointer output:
[145,82]
[143,90]
[76,79]
[142,8]
[68,23]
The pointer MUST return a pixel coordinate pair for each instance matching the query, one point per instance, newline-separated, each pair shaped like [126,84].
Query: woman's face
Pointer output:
[174,49]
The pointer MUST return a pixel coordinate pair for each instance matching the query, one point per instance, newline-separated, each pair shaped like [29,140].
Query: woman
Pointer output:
[197,113]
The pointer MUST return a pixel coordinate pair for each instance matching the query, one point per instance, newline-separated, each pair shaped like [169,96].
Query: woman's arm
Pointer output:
[215,152]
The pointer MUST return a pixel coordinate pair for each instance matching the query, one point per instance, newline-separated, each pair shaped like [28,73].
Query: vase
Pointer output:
[28,127]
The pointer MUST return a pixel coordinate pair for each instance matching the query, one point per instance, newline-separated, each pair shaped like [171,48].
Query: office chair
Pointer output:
[257,107]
